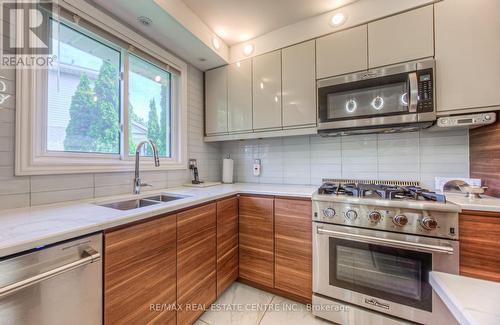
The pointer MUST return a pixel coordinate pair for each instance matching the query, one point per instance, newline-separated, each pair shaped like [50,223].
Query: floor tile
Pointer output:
[244,306]
[287,312]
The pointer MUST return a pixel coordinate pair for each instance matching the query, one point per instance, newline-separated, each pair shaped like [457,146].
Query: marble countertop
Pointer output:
[485,203]
[28,228]
[471,301]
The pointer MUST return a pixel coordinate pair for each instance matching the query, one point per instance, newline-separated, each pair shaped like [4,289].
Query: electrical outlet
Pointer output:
[256,167]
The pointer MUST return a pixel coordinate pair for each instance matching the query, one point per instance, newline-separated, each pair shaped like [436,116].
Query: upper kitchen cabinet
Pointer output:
[216,101]
[342,52]
[467,54]
[404,37]
[299,85]
[267,91]
[239,96]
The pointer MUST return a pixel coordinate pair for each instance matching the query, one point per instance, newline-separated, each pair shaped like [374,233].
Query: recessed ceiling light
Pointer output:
[216,43]
[338,19]
[145,21]
[157,78]
[248,49]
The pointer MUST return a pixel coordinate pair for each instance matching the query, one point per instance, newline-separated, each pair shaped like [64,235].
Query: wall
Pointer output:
[485,156]
[35,190]
[307,159]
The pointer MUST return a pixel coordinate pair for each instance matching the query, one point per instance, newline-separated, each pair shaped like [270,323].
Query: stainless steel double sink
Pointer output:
[143,202]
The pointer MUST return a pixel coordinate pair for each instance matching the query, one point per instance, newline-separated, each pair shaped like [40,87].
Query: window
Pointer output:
[83,94]
[149,106]
[100,98]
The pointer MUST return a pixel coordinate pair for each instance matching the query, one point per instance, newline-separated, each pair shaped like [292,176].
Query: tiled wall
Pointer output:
[36,190]
[307,159]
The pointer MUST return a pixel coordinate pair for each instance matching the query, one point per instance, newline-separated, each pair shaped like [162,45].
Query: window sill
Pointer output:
[104,167]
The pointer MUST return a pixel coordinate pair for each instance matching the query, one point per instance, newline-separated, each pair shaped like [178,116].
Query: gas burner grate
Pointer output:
[343,181]
[380,191]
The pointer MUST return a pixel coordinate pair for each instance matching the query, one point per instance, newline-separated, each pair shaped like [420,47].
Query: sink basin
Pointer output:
[130,204]
[166,197]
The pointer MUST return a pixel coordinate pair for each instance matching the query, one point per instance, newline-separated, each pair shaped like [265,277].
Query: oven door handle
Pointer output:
[412,77]
[388,242]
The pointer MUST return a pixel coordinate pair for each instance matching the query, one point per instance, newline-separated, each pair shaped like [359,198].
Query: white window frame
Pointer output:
[32,158]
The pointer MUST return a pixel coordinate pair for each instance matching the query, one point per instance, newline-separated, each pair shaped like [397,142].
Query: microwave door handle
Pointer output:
[387,242]
[412,77]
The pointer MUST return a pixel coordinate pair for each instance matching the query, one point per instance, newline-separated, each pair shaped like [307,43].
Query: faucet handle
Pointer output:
[145,184]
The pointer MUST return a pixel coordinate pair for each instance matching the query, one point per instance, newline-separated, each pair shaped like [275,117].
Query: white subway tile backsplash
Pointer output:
[308,159]
[17,185]
[39,198]
[7,115]
[12,201]
[48,183]
[6,144]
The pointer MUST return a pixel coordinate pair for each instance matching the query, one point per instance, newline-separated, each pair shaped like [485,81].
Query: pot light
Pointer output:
[145,21]
[216,43]
[248,49]
[338,19]
[157,78]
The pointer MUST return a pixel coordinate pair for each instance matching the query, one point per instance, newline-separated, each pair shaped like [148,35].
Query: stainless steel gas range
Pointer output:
[373,248]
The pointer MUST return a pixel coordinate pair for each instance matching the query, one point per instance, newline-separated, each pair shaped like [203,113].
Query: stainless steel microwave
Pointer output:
[388,99]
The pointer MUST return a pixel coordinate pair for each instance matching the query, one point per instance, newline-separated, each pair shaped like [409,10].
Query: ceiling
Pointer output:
[237,21]
[164,30]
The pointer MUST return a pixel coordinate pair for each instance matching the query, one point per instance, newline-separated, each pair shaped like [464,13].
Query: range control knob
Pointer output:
[374,216]
[428,223]
[351,215]
[400,220]
[329,212]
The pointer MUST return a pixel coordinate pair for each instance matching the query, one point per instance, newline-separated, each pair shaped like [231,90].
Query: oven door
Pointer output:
[383,271]
[387,96]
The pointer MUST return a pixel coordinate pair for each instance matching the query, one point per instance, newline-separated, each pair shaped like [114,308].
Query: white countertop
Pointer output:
[485,203]
[471,301]
[28,228]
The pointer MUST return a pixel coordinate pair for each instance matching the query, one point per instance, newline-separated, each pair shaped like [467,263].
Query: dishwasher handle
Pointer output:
[88,256]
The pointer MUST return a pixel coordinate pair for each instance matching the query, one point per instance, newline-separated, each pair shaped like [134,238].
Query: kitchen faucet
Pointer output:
[137,179]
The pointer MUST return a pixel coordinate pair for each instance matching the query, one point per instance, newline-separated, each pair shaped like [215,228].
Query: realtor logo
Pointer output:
[27,32]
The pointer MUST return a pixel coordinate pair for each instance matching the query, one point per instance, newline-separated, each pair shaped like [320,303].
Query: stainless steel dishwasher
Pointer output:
[57,284]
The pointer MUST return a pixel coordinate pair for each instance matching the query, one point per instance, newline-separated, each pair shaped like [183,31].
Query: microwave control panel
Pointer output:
[425,91]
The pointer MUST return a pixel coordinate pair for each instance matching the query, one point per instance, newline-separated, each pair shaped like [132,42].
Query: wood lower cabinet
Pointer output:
[196,262]
[140,270]
[256,239]
[227,243]
[293,247]
[480,245]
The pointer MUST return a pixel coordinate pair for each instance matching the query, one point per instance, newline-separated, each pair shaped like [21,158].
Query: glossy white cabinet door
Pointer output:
[267,91]
[216,101]
[299,85]
[404,37]
[467,54]
[342,52]
[239,96]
